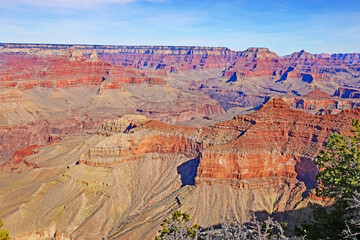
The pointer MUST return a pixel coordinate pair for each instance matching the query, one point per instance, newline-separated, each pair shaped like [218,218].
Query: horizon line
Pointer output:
[157,46]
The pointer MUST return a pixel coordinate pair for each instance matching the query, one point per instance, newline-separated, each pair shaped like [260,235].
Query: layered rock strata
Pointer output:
[43,83]
[135,171]
[248,77]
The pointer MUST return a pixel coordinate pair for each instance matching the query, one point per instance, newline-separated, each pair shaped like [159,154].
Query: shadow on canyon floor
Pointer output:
[188,171]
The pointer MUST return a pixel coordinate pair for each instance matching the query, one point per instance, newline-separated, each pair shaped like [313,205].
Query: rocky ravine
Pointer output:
[121,182]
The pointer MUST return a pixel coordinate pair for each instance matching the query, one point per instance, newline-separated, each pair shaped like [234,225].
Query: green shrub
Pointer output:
[178,228]
[339,179]
[4,235]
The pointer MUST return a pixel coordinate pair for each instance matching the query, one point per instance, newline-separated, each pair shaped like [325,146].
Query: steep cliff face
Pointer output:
[353,58]
[135,171]
[253,62]
[347,93]
[275,134]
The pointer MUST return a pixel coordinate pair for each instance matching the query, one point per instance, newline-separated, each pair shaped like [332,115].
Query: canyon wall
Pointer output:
[135,171]
[49,86]
[173,84]
[87,141]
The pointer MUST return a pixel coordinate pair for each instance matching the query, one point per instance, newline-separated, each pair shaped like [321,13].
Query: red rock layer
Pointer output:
[18,158]
[160,144]
[69,69]
[270,147]
[276,140]
[257,162]
[248,64]
[260,62]
[15,138]
[155,57]
[254,62]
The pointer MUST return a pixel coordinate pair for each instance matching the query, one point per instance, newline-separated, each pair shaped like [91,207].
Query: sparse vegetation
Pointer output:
[352,230]
[177,228]
[338,179]
[251,230]
[4,234]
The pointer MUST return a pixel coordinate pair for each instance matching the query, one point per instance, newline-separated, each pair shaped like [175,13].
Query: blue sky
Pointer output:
[284,26]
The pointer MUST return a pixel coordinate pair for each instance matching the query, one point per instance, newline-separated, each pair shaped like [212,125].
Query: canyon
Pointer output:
[106,141]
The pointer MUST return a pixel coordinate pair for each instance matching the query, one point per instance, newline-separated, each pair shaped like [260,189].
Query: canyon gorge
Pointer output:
[104,142]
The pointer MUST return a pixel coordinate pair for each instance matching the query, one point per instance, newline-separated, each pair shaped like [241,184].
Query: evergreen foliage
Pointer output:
[338,179]
[4,235]
[178,227]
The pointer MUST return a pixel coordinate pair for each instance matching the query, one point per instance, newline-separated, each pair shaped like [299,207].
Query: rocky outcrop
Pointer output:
[75,55]
[121,125]
[253,62]
[317,94]
[258,53]
[93,57]
[301,57]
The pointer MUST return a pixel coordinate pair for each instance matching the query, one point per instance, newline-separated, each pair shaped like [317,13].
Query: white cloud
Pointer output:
[73,4]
